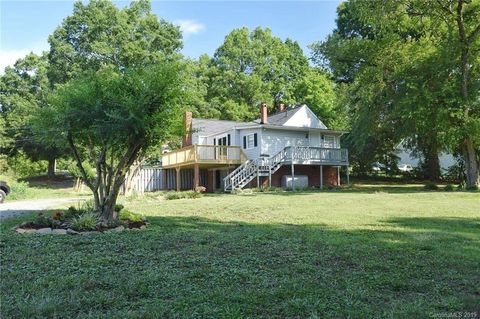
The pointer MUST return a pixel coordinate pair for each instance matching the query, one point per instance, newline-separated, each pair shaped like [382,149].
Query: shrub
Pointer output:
[43,220]
[80,209]
[181,195]
[449,188]
[118,207]
[127,215]
[86,221]
[431,186]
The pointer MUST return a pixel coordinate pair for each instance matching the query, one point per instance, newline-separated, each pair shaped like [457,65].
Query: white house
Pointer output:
[291,148]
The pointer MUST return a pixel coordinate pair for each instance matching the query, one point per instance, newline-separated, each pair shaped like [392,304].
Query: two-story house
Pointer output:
[291,148]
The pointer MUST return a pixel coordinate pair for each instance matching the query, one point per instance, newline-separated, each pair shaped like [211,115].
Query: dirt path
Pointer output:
[18,208]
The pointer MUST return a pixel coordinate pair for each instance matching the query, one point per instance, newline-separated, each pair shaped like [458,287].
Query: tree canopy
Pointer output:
[98,33]
[110,118]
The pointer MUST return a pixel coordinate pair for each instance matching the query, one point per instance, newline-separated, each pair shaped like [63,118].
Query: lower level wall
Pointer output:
[330,176]
[212,179]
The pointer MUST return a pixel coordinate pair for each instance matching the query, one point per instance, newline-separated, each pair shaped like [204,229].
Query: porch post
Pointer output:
[177,178]
[293,177]
[348,175]
[258,177]
[196,176]
[338,175]
[269,178]
[321,176]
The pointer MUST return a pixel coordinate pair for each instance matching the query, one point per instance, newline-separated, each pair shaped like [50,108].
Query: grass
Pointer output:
[371,251]
[40,187]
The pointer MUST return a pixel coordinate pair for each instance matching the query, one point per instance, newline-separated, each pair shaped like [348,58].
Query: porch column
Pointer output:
[258,177]
[269,178]
[177,178]
[338,175]
[321,176]
[293,177]
[196,176]
[164,179]
[348,176]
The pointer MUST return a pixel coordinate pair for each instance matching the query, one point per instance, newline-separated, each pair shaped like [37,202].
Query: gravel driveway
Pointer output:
[17,208]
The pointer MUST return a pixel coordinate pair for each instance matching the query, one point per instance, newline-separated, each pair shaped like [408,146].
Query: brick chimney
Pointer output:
[281,107]
[187,127]
[263,113]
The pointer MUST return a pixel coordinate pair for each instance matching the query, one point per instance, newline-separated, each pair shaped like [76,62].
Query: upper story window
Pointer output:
[226,140]
[250,141]
[329,141]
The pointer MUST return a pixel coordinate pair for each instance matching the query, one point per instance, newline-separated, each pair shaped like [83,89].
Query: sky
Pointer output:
[26,25]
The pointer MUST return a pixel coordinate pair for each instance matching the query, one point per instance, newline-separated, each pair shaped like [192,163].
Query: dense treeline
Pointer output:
[391,71]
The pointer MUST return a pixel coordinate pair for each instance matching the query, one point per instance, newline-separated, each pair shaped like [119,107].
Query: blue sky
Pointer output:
[25,25]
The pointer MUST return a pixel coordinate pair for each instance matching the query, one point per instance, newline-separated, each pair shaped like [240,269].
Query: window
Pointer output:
[329,141]
[250,141]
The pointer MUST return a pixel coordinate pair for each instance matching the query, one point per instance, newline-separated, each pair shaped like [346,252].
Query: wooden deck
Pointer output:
[204,156]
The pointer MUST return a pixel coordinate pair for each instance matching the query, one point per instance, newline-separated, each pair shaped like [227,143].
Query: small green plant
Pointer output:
[79,209]
[86,221]
[118,207]
[449,188]
[127,215]
[431,186]
[43,220]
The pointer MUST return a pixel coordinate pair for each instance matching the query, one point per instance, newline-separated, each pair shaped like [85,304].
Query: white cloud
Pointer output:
[189,27]
[8,57]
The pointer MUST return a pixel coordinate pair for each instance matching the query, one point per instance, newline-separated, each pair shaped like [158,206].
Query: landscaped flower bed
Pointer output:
[82,220]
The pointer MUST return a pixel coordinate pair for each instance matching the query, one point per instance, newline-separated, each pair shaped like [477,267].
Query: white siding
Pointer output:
[305,118]
[273,141]
[251,153]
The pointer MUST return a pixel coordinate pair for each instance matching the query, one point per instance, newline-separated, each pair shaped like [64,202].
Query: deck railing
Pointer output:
[206,154]
[316,154]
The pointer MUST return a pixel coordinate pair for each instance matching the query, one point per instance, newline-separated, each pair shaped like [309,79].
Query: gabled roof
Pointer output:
[293,117]
[282,117]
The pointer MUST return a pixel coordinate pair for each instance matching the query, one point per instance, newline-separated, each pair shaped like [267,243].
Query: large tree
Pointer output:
[98,33]
[412,71]
[251,67]
[109,119]
[23,89]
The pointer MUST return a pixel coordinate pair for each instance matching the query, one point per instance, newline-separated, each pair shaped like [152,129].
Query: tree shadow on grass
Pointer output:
[196,267]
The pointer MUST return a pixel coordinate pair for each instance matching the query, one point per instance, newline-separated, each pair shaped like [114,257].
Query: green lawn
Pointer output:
[385,252]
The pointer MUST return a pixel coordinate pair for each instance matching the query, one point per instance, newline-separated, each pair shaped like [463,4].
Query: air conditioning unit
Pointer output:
[301,181]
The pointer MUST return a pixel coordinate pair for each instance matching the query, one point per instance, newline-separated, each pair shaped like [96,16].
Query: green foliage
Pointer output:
[431,186]
[18,190]
[22,166]
[395,59]
[98,34]
[43,220]
[24,88]
[182,195]
[248,68]
[81,208]
[449,188]
[127,215]
[85,221]
[143,104]
[118,207]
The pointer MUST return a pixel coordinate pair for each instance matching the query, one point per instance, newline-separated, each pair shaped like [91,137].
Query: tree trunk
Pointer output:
[472,164]
[432,163]
[52,163]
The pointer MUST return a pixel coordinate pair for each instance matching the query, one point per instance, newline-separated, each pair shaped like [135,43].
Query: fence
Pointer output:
[148,179]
